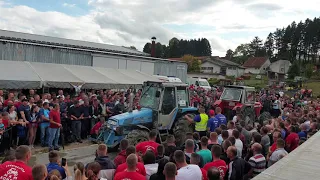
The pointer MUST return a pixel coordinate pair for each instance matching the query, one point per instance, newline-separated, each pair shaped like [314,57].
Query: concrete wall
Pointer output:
[252,70]
[208,67]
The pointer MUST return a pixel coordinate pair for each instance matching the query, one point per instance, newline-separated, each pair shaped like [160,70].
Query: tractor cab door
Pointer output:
[168,108]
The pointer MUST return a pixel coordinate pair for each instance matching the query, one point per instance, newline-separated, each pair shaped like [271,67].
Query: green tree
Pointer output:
[147,48]
[294,70]
[242,53]
[229,54]
[256,47]
[269,46]
[193,63]
[309,71]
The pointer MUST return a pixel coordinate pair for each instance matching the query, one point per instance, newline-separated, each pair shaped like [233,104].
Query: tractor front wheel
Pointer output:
[181,127]
[136,136]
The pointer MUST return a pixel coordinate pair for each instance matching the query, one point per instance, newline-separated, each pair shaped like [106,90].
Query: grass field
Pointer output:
[315,86]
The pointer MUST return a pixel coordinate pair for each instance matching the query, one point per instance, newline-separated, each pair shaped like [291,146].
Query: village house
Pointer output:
[256,65]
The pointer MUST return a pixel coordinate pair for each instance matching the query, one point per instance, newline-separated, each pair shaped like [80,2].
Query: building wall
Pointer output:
[252,70]
[118,62]
[205,76]
[24,52]
[208,67]
[263,69]
[167,68]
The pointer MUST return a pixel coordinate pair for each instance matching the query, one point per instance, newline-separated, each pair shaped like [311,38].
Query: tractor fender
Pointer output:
[238,105]
[143,128]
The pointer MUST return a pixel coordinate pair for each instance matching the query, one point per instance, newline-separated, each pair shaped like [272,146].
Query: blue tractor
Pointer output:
[163,107]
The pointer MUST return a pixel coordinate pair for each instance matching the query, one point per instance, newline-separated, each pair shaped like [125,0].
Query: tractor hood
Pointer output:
[135,117]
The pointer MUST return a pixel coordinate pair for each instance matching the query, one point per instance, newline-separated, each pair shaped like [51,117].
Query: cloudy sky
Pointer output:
[225,23]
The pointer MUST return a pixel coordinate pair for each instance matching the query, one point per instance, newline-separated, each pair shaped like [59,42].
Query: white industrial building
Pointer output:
[16,46]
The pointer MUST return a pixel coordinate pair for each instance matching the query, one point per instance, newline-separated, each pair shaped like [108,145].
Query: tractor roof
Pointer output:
[239,87]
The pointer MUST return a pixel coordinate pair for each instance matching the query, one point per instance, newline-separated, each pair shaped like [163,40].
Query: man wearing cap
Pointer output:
[201,121]
[213,122]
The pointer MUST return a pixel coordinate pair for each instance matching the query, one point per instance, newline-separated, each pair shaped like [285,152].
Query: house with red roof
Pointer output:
[257,65]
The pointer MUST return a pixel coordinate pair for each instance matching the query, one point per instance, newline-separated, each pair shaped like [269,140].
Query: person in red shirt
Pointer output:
[292,141]
[54,128]
[94,133]
[122,156]
[142,147]
[131,171]
[18,170]
[217,162]
[140,166]
[10,98]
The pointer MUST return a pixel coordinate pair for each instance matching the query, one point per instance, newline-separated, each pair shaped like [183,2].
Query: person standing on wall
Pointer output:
[201,121]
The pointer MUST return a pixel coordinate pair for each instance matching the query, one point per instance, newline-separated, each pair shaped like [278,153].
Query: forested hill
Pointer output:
[298,42]
[178,48]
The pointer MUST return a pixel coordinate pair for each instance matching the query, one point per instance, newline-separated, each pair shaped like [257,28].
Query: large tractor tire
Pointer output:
[180,129]
[248,115]
[136,136]
[264,118]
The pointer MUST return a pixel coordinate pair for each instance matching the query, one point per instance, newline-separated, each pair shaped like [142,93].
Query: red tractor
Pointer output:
[239,98]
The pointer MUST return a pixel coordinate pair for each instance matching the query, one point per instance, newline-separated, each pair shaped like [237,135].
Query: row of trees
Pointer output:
[178,48]
[297,42]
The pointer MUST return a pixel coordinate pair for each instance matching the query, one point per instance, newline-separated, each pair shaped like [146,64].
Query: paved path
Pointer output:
[84,154]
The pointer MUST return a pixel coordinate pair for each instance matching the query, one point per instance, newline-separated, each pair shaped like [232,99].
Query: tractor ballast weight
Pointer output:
[163,107]
[241,98]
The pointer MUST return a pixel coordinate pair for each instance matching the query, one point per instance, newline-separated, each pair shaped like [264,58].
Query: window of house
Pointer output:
[203,68]
[210,68]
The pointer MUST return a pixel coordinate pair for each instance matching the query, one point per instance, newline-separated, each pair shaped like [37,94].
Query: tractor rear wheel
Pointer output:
[248,115]
[136,136]
[180,129]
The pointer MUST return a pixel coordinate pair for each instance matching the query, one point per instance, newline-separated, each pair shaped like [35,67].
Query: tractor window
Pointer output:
[169,100]
[250,96]
[149,99]
[182,97]
[232,94]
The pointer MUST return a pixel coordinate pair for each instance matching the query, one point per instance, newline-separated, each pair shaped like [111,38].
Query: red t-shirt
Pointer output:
[147,145]
[293,140]
[55,116]
[220,164]
[273,147]
[123,167]
[5,122]
[96,127]
[15,170]
[129,176]
[204,174]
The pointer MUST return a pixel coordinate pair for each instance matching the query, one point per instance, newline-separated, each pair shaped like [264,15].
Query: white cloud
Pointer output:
[68,5]
[126,23]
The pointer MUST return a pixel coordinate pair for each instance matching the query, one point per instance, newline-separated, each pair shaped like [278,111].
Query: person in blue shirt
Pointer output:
[213,122]
[44,124]
[303,133]
[54,164]
[222,119]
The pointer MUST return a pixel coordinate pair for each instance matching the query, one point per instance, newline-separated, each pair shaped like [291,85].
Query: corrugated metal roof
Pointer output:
[66,42]
[302,163]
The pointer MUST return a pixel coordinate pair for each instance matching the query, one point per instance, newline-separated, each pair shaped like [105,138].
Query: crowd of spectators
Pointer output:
[22,116]
[229,149]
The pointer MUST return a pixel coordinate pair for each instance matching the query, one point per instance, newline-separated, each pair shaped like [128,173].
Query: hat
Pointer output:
[211,112]
[25,99]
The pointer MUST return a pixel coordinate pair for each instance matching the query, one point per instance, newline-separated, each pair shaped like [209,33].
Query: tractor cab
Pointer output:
[163,106]
[166,100]
[238,97]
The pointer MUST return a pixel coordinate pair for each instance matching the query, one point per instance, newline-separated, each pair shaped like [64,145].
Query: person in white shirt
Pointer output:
[238,144]
[186,171]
